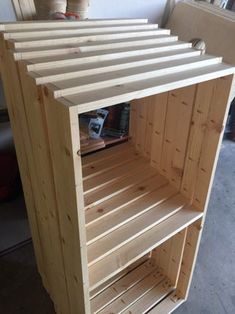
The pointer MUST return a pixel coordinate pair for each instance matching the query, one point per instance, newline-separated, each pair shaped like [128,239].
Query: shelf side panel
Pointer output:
[14,99]
[63,133]
[209,119]
[46,189]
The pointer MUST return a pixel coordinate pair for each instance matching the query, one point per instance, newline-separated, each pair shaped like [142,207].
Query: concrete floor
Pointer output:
[213,286]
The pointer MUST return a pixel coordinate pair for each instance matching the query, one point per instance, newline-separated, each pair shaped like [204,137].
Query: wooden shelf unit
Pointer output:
[116,231]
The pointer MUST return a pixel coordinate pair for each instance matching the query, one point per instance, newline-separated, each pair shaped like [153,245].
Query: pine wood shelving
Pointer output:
[116,231]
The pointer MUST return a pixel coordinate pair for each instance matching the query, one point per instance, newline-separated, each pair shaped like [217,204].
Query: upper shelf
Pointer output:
[94,64]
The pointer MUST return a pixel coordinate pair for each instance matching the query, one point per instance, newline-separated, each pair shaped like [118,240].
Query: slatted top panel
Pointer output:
[95,63]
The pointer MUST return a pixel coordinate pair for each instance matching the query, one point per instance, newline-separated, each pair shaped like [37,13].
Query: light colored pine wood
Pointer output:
[122,286]
[86,101]
[63,134]
[76,31]
[41,154]
[144,45]
[15,26]
[97,219]
[150,215]
[54,41]
[57,74]
[151,298]
[133,250]
[122,216]
[28,176]
[139,190]
[98,292]
[105,80]
[168,305]
[134,294]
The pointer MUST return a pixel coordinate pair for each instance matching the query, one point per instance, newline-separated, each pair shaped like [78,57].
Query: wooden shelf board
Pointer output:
[34,25]
[30,35]
[130,209]
[136,292]
[92,100]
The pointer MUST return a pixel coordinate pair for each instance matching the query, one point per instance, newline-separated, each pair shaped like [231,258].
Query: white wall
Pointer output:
[151,9]
[6,11]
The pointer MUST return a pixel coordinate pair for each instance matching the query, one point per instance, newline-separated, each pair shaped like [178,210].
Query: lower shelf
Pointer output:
[137,292]
[130,210]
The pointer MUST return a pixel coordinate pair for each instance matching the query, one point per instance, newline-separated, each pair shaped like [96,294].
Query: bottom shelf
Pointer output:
[137,292]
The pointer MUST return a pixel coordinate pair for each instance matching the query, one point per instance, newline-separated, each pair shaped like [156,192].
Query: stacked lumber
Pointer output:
[116,231]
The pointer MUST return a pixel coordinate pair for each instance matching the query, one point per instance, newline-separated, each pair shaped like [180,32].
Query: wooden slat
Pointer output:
[134,294]
[124,46]
[203,100]
[135,176]
[54,41]
[107,153]
[97,292]
[117,202]
[28,25]
[105,80]
[118,172]
[159,118]
[122,216]
[69,72]
[39,34]
[150,215]
[168,305]
[111,163]
[150,299]
[122,286]
[127,254]
[177,126]
[87,101]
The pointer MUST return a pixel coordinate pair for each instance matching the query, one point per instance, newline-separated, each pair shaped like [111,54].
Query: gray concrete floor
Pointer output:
[213,286]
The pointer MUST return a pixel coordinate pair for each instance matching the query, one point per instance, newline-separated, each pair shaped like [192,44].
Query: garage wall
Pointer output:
[151,9]
[6,11]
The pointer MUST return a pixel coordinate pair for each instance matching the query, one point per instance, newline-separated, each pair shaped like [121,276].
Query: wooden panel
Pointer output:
[159,116]
[122,285]
[81,39]
[189,259]
[168,305]
[14,26]
[203,100]
[134,294]
[119,217]
[86,101]
[57,74]
[39,34]
[105,80]
[150,44]
[217,116]
[15,106]
[177,126]
[133,250]
[150,216]
[41,154]
[63,134]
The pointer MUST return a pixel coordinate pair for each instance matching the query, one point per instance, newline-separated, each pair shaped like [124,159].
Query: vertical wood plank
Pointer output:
[177,126]
[35,119]
[64,141]
[189,259]
[197,133]
[21,139]
[159,116]
[216,122]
